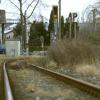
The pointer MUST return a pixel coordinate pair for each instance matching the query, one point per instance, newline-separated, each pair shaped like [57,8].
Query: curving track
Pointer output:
[85,86]
[8,95]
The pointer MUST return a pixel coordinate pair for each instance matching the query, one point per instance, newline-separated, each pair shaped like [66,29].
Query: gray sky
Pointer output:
[67,6]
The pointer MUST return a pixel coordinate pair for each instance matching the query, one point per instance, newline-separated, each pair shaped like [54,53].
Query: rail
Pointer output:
[7,88]
[85,86]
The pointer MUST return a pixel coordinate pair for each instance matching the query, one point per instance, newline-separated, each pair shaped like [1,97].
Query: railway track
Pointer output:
[84,86]
[7,91]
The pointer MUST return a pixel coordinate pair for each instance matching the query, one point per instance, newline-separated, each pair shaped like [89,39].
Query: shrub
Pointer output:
[52,64]
[72,52]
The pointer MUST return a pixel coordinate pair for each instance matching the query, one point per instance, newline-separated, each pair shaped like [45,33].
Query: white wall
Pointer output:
[0,33]
[9,35]
[13,48]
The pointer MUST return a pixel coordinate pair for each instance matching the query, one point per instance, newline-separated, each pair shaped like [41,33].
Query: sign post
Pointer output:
[2,22]
[59,19]
[72,17]
[55,18]
[70,26]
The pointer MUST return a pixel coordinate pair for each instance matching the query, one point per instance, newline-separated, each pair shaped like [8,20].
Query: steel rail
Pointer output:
[7,88]
[83,85]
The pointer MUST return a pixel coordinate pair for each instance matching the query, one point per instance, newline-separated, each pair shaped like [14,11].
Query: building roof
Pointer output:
[13,39]
[9,28]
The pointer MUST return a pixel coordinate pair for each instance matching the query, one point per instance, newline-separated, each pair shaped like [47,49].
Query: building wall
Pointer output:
[0,34]
[9,35]
[9,31]
[12,47]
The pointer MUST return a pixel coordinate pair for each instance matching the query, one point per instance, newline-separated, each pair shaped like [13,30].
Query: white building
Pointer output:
[0,34]
[12,47]
[9,32]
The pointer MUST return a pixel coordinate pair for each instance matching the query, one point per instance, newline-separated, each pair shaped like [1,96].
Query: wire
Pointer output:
[12,13]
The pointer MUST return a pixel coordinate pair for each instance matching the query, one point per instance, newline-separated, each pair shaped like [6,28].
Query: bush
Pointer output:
[72,52]
[52,64]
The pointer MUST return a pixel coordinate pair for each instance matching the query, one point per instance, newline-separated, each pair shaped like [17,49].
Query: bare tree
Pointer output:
[91,19]
[24,7]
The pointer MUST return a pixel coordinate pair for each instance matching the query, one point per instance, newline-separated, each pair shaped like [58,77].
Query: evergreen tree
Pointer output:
[66,28]
[51,23]
[17,30]
[62,26]
[36,31]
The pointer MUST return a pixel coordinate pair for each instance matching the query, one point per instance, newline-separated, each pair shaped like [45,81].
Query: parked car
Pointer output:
[2,49]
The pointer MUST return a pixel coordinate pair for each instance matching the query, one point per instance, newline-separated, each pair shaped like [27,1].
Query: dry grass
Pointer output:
[2,58]
[89,70]
[52,64]
[38,60]
[72,53]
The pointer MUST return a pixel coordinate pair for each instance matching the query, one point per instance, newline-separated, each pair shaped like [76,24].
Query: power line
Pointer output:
[59,36]
[12,13]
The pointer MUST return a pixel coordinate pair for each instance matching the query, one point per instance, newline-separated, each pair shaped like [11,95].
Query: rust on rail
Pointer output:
[85,86]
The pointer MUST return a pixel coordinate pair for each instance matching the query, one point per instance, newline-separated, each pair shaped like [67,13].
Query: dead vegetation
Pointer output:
[72,53]
[90,70]
[2,58]
[82,57]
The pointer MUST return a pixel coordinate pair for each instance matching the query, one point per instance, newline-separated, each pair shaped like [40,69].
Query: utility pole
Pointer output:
[75,30]
[72,17]
[55,18]
[2,22]
[2,33]
[70,26]
[59,36]
[26,34]
[94,20]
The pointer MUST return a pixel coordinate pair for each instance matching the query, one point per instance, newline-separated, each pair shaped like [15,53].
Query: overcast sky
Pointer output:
[67,6]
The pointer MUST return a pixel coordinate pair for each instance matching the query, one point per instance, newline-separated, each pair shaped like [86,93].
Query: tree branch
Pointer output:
[24,2]
[15,5]
[33,9]
[44,4]
[29,6]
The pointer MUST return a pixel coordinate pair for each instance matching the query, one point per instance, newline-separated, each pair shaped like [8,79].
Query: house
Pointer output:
[0,33]
[9,34]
